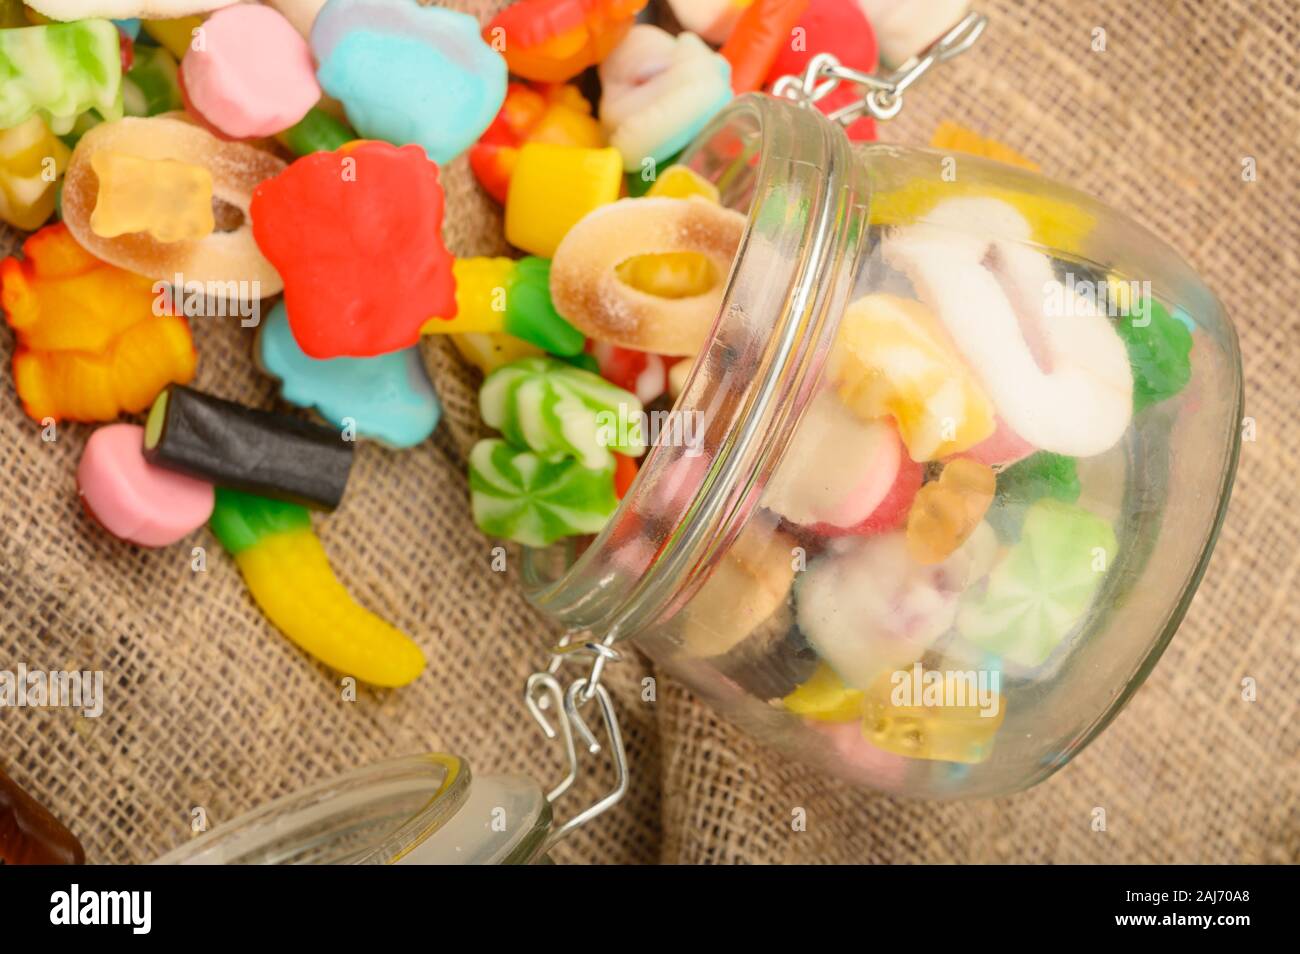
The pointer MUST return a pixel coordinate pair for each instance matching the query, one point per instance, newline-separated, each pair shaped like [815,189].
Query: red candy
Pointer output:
[762,33]
[357,237]
[625,469]
[891,513]
[841,28]
[554,40]
[642,373]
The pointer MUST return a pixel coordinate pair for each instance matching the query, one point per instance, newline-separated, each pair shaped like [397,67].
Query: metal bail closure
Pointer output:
[884,92]
[545,695]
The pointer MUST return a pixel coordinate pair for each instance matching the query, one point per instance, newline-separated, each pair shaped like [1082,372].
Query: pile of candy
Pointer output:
[210,158]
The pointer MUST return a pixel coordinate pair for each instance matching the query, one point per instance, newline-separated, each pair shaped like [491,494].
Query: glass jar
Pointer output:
[963,439]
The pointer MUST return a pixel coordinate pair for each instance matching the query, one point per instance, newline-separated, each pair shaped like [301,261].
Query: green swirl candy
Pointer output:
[557,411]
[516,495]
[60,70]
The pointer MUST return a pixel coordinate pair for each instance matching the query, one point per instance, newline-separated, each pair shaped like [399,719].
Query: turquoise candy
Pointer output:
[1159,351]
[1043,587]
[557,411]
[59,71]
[387,398]
[517,495]
[532,317]
[407,73]
[129,27]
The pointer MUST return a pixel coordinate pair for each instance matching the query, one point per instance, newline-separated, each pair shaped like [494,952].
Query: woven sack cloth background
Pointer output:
[207,707]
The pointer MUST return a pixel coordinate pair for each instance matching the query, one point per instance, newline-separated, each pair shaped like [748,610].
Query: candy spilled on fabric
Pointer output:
[290,578]
[31,161]
[58,71]
[522,496]
[90,344]
[357,236]
[134,500]
[552,41]
[556,410]
[407,73]
[387,398]
[233,446]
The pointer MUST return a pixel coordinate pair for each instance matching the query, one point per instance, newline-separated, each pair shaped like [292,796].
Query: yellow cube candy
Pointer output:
[480,297]
[552,188]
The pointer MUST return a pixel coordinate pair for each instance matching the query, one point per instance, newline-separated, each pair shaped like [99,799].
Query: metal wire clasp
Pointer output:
[884,93]
[544,692]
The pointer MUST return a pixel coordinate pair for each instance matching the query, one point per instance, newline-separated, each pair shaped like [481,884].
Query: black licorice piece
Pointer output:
[245,449]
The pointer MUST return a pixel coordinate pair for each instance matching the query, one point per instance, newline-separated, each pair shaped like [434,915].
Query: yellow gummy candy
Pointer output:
[891,358]
[682,182]
[552,188]
[487,352]
[289,575]
[31,160]
[169,199]
[932,728]
[953,137]
[825,698]
[480,297]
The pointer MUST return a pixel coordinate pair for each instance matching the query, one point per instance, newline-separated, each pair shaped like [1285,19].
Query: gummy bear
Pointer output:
[357,237]
[90,345]
[521,496]
[557,410]
[948,722]
[946,511]
[169,199]
[31,160]
[554,40]
[60,70]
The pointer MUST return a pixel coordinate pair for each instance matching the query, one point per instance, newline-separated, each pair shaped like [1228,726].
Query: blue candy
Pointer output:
[409,74]
[389,397]
[130,27]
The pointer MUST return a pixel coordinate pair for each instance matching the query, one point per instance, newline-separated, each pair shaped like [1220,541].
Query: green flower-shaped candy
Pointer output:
[60,70]
[1159,352]
[557,411]
[1043,587]
[516,495]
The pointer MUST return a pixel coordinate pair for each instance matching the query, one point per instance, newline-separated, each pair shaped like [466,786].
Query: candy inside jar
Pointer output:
[942,480]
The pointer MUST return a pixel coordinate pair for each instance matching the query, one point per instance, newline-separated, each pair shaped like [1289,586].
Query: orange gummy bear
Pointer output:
[90,345]
[946,511]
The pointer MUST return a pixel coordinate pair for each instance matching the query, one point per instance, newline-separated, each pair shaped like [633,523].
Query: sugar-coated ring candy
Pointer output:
[522,496]
[761,33]
[68,10]
[26,192]
[134,500]
[407,73]
[588,291]
[557,410]
[1037,595]
[948,510]
[357,235]
[227,263]
[168,199]
[252,75]
[90,343]
[891,358]
[552,188]
[1083,404]
[559,115]
[841,474]
[387,398]
[60,70]
[290,578]
[658,91]
[552,41]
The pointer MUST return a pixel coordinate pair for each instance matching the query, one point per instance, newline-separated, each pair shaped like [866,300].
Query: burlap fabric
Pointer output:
[206,706]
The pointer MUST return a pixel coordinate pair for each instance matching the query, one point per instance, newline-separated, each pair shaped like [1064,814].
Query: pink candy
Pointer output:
[134,500]
[249,73]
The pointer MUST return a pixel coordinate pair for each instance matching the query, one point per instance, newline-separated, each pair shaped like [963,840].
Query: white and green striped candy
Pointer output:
[516,495]
[60,70]
[557,410]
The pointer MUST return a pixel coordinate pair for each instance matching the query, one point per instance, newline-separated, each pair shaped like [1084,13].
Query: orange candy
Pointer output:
[554,40]
[90,346]
[946,511]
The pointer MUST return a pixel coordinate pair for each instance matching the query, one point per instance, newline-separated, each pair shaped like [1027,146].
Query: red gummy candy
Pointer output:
[356,234]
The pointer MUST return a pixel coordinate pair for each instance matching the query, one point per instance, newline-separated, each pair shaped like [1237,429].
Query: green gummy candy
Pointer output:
[152,85]
[1159,351]
[60,70]
[517,495]
[318,131]
[557,411]
[1040,475]
[532,317]
[1043,587]
[239,520]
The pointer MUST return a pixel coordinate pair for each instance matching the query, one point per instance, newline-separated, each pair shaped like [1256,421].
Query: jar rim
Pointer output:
[807,210]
